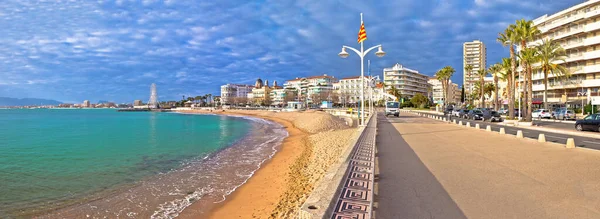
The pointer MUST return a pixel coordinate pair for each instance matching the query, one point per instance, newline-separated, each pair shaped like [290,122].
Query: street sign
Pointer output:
[596,100]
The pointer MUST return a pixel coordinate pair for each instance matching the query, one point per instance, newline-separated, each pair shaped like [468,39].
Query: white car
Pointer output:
[541,114]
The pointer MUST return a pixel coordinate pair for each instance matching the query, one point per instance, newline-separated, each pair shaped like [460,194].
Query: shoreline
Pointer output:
[250,199]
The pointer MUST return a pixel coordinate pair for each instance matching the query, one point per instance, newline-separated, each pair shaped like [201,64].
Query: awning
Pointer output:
[537,101]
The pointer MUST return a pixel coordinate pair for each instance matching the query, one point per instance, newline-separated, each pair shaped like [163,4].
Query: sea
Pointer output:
[100,163]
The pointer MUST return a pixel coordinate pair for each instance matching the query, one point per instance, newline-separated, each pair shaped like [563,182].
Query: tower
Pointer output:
[153,102]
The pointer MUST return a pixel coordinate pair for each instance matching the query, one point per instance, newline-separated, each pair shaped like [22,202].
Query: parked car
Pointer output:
[455,112]
[541,113]
[503,111]
[590,122]
[448,110]
[475,115]
[556,112]
[462,113]
[566,114]
[492,116]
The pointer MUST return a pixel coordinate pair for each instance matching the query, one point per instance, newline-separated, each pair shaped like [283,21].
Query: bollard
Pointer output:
[454,121]
[476,126]
[502,131]
[444,119]
[570,143]
[542,138]
[519,134]
[460,123]
[488,128]
[468,124]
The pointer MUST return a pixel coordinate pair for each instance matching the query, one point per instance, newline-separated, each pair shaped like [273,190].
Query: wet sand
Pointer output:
[282,184]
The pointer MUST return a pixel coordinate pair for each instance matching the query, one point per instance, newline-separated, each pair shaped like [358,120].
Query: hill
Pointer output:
[8,101]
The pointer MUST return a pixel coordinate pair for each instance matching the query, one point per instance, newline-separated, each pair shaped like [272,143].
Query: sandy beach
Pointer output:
[277,190]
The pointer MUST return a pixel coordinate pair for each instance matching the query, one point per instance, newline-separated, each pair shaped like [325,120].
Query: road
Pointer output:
[587,142]
[431,169]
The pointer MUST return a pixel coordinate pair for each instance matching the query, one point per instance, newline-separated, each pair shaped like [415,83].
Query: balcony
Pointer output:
[574,44]
[563,21]
[574,57]
[592,26]
[592,55]
[591,13]
[591,69]
[569,32]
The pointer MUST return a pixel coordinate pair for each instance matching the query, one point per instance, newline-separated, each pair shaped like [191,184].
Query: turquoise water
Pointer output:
[48,156]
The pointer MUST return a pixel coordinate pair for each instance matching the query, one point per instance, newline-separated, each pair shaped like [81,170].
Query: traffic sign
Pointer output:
[596,100]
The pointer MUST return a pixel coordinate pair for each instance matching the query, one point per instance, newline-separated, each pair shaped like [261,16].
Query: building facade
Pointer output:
[474,54]
[348,89]
[312,89]
[86,104]
[577,29]
[137,103]
[409,82]
[235,93]
[437,93]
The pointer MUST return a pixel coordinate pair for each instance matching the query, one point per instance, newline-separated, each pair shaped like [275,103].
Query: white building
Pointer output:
[437,91]
[349,89]
[474,54]
[86,104]
[409,82]
[577,29]
[230,92]
[311,87]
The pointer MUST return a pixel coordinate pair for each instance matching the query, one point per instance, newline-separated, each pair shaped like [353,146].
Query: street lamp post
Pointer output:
[361,53]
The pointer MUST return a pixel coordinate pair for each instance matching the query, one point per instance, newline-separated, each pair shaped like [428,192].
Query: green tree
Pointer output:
[526,32]
[444,75]
[395,92]
[197,99]
[528,57]
[495,70]
[462,94]
[481,75]
[508,38]
[419,100]
[489,89]
[469,71]
[550,55]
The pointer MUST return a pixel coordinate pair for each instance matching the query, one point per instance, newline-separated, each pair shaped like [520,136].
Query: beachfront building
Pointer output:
[312,89]
[86,104]
[474,54]
[577,29]
[409,82]
[349,90]
[437,94]
[232,94]
[137,103]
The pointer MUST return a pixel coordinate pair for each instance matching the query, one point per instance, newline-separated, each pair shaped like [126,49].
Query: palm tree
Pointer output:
[444,75]
[395,92]
[550,53]
[469,69]
[495,70]
[489,89]
[481,74]
[198,98]
[528,57]
[526,31]
[508,38]
[209,99]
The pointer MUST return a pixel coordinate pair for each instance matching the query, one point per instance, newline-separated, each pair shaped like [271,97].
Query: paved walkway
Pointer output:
[429,169]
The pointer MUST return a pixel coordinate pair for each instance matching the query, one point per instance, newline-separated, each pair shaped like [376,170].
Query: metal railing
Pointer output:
[356,192]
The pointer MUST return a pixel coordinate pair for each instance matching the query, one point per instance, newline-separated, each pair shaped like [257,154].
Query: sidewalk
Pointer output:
[553,130]
[429,169]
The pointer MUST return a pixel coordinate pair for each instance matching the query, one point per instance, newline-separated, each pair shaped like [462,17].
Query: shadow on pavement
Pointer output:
[407,189]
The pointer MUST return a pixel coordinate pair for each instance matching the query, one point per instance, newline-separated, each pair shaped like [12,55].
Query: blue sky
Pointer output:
[72,50]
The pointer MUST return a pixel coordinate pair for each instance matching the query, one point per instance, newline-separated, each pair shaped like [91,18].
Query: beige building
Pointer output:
[235,93]
[437,91]
[314,87]
[409,82]
[474,54]
[577,29]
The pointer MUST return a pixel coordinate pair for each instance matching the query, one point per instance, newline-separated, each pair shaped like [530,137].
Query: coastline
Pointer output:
[251,198]
[281,184]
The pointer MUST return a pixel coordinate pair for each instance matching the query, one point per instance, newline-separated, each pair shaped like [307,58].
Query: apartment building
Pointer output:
[474,54]
[577,29]
[349,89]
[311,87]
[409,82]
[437,94]
[234,93]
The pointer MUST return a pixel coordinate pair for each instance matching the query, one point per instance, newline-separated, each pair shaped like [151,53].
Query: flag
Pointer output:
[362,33]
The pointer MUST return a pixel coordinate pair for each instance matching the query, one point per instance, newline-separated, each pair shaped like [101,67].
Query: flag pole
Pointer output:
[362,79]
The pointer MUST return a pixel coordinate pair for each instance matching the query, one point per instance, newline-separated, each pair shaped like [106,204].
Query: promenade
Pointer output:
[431,169]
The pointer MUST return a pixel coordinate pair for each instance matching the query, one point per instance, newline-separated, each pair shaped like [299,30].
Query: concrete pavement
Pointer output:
[430,169]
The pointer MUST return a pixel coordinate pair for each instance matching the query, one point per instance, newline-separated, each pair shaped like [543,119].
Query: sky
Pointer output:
[112,50]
